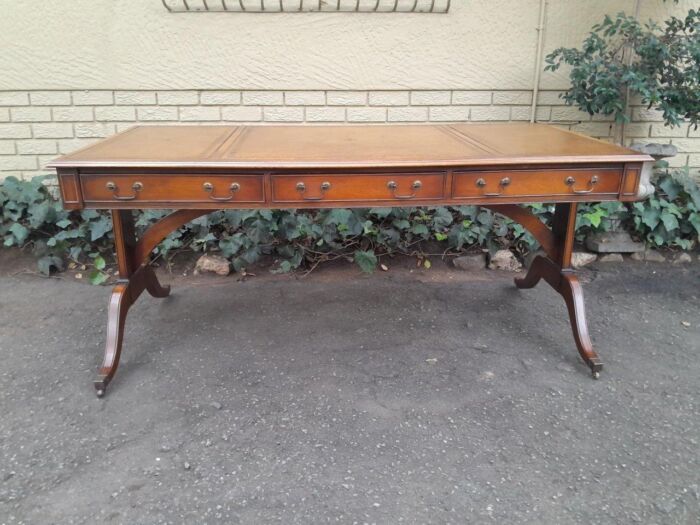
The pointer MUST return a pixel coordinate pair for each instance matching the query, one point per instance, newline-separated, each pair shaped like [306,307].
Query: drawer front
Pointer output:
[357,188]
[536,183]
[172,188]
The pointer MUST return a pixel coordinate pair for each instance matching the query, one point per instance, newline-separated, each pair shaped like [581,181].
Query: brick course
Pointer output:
[37,125]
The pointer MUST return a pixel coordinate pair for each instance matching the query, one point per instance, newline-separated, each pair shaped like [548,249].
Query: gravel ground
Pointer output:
[405,397]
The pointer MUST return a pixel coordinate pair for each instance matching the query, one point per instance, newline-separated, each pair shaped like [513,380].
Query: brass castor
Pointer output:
[100,387]
[596,367]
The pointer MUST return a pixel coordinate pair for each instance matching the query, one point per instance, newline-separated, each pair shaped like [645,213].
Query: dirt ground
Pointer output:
[409,396]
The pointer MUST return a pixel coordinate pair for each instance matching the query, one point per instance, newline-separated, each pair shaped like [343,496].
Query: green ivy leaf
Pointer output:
[694,219]
[419,229]
[401,224]
[381,213]
[45,264]
[20,232]
[670,187]
[595,216]
[366,260]
[100,227]
[338,216]
[442,218]
[266,214]
[97,277]
[670,221]
[99,262]
[90,214]
[230,246]
[39,213]
[651,217]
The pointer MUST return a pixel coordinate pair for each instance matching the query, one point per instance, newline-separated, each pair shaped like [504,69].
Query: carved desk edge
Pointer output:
[196,188]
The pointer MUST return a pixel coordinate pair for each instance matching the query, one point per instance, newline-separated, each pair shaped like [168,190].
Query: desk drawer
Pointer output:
[536,183]
[356,187]
[172,188]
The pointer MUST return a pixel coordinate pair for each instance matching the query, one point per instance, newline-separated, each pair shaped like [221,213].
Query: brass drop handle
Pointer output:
[112,186]
[505,181]
[570,181]
[301,188]
[209,188]
[393,186]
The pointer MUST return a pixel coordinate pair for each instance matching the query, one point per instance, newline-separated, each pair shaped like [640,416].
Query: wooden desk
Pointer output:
[196,169]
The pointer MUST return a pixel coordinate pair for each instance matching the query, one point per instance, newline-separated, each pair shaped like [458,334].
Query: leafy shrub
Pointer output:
[622,56]
[32,217]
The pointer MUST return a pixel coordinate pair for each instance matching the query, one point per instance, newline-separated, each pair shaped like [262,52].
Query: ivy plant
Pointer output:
[671,217]
[31,217]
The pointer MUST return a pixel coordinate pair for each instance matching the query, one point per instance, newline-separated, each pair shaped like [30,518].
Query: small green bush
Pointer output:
[32,218]
[622,56]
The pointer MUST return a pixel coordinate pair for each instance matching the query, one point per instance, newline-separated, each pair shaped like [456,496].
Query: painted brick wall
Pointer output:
[37,126]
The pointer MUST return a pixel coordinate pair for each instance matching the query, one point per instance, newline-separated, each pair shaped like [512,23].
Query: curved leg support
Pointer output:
[537,269]
[153,286]
[531,223]
[119,304]
[124,294]
[571,290]
[566,284]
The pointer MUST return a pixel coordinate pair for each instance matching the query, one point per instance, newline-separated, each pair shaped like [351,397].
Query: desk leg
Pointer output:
[556,269]
[567,285]
[124,294]
[135,276]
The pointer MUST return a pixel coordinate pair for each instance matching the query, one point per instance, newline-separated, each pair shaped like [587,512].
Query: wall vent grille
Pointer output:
[307,6]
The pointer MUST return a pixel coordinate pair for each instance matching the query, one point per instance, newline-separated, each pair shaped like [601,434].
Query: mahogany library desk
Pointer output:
[196,169]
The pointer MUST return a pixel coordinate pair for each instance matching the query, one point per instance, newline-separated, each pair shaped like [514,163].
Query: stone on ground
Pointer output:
[581,259]
[613,242]
[213,263]
[683,258]
[469,262]
[649,256]
[611,258]
[505,260]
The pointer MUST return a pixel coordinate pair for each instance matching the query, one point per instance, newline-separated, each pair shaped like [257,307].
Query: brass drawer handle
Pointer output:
[111,186]
[570,181]
[301,188]
[393,186]
[505,181]
[209,188]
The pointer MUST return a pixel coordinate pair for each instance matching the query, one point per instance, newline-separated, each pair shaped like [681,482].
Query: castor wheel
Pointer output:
[595,374]
[100,386]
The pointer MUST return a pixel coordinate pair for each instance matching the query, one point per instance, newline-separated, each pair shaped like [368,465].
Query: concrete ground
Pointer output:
[405,397]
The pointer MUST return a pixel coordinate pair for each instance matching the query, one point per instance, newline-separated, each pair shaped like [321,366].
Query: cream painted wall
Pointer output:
[137,44]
